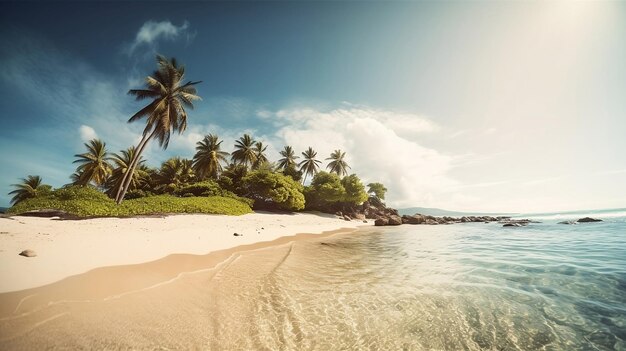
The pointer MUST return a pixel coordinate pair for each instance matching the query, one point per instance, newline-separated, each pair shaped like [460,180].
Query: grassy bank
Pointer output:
[88,202]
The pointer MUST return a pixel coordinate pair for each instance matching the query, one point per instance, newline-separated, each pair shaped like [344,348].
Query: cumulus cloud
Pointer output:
[151,32]
[377,146]
[87,133]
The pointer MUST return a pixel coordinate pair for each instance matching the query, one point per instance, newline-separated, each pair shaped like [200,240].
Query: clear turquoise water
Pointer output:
[482,286]
[473,286]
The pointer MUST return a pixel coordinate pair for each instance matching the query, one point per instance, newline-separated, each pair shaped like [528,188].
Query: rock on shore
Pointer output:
[588,220]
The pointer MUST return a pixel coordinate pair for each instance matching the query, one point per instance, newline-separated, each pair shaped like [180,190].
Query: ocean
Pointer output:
[470,286]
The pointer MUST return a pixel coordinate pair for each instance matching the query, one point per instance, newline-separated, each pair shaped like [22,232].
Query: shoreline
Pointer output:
[68,248]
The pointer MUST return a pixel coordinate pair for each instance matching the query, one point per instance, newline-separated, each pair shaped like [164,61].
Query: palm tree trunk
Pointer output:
[131,169]
[126,174]
[304,180]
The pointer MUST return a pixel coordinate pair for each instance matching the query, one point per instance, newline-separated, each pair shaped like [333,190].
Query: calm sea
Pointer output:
[474,286]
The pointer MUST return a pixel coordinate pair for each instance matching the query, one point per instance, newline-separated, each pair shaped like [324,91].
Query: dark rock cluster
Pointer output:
[384,216]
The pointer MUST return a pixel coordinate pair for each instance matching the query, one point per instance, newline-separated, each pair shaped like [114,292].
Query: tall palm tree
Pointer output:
[259,151]
[121,165]
[166,113]
[245,152]
[338,165]
[289,158]
[29,187]
[309,165]
[93,164]
[207,162]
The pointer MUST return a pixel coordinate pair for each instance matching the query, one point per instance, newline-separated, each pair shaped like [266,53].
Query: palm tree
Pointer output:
[309,165]
[208,158]
[166,112]
[175,173]
[338,165]
[29,187]
[93,165]
[289,158]
[259,150]
[121,164]
[245,153]
[75,178]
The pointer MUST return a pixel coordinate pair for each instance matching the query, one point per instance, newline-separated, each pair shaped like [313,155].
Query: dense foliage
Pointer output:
[377,189]
[89,202]
[30,186]
[329,193]
[271,190]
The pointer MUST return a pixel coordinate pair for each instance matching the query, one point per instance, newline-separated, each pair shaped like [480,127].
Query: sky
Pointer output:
[470,106]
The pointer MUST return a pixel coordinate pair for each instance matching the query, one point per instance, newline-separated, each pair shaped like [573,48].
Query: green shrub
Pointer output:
[89,202]
[354,190]
[273,190]
[324,192]
[137,193]
[328,193]
[205,188]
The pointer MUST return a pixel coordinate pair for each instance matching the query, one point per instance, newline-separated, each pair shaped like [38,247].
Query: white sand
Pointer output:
[66,248]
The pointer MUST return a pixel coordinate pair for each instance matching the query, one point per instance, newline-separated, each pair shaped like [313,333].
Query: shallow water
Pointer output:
[474,286]
[467,286]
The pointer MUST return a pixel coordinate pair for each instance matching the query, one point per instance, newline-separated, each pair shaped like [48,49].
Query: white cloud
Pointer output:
[151,32]
[87,133]
[378,148]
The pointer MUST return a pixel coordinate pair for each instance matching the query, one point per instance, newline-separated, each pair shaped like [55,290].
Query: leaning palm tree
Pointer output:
[121,165]
[93,164]
[207,162]
[165,114]
[309,165]
[259,151]
[338,165]
[289,158]
[245,152]
[29,187]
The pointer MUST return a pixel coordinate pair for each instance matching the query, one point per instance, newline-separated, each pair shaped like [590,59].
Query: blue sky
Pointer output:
[467,106]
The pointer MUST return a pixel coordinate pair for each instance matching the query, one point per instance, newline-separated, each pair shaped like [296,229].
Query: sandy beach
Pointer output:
[67,248]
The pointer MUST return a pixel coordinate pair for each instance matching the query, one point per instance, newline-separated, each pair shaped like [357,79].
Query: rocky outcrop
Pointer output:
[375,209]
[394,220]
[381,222]
[588,220]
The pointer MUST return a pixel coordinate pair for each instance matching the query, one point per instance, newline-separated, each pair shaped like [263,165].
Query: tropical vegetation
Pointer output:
[309,165]
[338,164]
[207,162]
[213,181]
[30,186]
[93,164]
[165,113]
[87,201]
[246,151]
